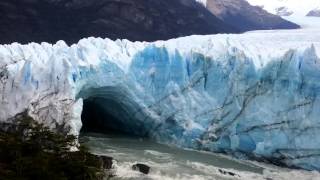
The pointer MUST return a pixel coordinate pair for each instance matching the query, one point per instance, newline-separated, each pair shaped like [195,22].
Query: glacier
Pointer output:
[253,95]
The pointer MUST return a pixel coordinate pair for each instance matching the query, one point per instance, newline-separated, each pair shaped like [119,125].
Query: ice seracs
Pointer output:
[254,94]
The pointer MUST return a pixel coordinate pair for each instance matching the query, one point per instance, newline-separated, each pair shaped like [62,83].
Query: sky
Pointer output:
[299,7]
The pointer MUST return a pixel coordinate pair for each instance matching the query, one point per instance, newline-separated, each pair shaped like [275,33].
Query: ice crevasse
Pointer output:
[253,95]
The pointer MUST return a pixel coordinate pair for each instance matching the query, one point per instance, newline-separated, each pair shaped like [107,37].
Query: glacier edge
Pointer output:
[225,93]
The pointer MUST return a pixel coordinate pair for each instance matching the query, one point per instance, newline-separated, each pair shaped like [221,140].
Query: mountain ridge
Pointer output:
[27,21]
[246,17]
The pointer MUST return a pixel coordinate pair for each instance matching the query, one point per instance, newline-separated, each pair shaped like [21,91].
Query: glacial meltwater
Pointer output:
[169,162]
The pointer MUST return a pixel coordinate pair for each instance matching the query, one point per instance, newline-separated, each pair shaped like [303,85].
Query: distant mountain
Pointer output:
[283,11]
[314,12]
[242,15]
[70,20]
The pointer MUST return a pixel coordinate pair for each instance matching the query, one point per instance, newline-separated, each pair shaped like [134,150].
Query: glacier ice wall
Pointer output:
[255,94]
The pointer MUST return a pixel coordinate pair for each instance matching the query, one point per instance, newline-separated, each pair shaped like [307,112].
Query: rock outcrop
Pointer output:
[141,167]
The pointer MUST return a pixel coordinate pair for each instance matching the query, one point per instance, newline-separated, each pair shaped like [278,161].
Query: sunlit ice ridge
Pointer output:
[252,95]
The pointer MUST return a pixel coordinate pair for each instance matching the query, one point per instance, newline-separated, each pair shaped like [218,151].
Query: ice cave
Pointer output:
[109,110]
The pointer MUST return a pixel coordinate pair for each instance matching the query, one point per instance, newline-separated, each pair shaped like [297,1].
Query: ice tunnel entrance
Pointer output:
[111,110]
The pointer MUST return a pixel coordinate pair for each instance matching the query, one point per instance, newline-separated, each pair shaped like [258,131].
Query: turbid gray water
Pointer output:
[169,162]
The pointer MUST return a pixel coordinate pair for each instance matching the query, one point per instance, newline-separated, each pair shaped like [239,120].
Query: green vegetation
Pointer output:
[30,151]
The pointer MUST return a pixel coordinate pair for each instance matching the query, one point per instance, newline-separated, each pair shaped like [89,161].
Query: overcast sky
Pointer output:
[300,7]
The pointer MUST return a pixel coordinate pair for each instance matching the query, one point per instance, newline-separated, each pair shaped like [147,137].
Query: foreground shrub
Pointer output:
[30,151]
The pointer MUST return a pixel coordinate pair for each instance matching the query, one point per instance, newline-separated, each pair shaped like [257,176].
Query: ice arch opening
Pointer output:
[112,110]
